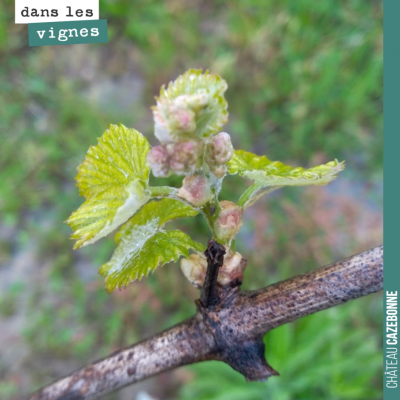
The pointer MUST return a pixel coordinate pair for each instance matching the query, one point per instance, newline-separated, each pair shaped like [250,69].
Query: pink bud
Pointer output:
[181,119]
[161,129]
[158,160]
[194,268]
[184,156]
[232,270]
[219,149]
[219,170]
[229,220]
[196,190]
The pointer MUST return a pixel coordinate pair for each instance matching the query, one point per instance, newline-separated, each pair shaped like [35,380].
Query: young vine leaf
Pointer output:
[270,175]
[114,180]
[143,245]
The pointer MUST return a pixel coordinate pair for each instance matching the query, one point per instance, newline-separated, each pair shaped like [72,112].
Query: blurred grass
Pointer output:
[305,86]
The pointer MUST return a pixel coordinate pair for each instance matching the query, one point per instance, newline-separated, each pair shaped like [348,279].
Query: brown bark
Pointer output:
[230,331]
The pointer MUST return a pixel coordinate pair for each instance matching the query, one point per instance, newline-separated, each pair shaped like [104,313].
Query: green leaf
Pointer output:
[270,175]
[161,210]
[113,178]
[143,245]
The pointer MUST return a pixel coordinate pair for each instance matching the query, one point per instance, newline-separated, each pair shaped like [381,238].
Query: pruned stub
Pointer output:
[244,355]
[209,295]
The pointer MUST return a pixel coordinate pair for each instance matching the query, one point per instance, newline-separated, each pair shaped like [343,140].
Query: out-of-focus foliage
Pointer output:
[305,86]
[303,79]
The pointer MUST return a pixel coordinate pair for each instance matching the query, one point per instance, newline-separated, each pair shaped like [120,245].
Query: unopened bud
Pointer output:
[158,160]
[231,273]
[229,220]
[195,101]
[161,129]
[181,119]
[219,149]
[196,190]
[219,170]
[193,106]
[184,156]
[194,268]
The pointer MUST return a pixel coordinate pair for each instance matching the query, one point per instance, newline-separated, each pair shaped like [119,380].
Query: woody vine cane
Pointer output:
[230,332]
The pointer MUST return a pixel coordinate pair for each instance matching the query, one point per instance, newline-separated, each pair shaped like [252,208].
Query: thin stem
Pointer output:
[163,191]
[253,193]
[211,212]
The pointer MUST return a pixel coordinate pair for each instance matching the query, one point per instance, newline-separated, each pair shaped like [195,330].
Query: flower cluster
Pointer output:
[181,158]
[218,151]
[189,111]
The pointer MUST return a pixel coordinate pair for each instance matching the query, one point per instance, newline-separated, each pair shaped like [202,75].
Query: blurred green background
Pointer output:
[305,87]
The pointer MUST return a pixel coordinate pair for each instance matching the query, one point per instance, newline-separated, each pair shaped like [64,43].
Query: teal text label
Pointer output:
[68,32]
